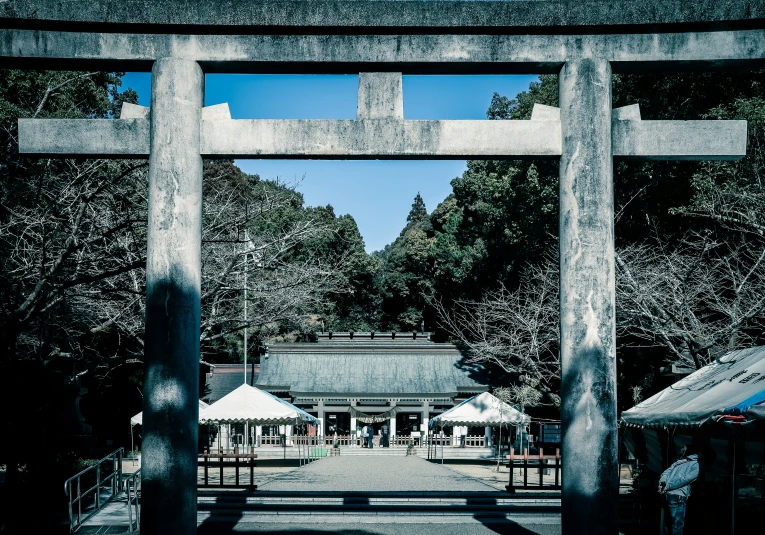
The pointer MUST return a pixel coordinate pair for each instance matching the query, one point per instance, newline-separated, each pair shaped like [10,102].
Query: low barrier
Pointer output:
[475,442]
[394,441]
[221,460]
[539,462]
[271,440]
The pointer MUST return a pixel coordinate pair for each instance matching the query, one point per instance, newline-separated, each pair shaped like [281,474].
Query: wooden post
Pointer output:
[541,460]
[511,468]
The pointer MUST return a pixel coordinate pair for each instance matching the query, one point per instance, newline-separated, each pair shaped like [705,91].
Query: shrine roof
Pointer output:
[355,369]
[225,378]
[597,16]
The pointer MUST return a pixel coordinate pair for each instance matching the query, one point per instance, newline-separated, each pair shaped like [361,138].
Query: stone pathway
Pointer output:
[374,474]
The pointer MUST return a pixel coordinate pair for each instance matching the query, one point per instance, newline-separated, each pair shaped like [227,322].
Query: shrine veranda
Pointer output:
[582,42]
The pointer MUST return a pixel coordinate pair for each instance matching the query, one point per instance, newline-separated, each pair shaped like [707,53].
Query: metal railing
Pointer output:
[73,488]
[133,495]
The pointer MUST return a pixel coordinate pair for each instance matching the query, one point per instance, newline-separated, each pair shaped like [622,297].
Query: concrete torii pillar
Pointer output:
[584,132]
[587,317]
[591,136]
[173,276]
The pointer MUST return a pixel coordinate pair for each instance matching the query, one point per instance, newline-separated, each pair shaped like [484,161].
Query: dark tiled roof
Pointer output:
[367,368]
[226,378]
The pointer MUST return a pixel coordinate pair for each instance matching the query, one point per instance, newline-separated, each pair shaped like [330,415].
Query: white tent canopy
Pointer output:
[250,404]
[483,410]
[735,381]
[138,418]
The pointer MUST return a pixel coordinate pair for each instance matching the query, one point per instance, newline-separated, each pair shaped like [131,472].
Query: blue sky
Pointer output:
[378,194]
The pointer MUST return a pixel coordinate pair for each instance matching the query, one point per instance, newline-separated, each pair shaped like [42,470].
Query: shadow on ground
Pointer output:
[505,528]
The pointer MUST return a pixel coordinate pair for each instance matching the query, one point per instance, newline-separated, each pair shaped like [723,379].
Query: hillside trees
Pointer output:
[689,262]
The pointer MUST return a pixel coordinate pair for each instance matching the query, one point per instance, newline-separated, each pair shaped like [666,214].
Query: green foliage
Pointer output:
[418,212]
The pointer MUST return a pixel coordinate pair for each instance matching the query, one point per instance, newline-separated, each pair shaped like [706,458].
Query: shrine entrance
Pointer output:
[380,40]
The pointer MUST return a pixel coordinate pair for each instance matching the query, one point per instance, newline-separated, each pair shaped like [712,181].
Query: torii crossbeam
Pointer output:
[381,132]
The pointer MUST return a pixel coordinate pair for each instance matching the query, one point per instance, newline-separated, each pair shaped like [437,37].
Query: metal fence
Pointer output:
[106,474]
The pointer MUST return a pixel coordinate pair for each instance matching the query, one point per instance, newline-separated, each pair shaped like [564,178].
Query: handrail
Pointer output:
[115,477]
[134,481]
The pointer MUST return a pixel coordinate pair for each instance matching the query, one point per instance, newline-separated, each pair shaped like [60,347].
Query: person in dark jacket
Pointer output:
[675,486]
[384,440]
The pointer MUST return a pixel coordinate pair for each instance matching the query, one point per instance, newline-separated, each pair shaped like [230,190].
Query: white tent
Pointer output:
[733,382]
[138,418]
[255,406]
[483,410]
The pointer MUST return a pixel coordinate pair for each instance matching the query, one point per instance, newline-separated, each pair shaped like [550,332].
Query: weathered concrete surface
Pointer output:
[387,13]
[385,138]
[173,276]
[411,54]
[381,96]
[679,140]
[379,138]
[587,322]
[103,138]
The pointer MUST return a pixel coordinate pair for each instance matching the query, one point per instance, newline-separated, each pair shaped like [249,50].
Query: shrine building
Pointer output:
[348,379]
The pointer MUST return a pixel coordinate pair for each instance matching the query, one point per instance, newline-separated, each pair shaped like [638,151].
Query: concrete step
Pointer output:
[417,503]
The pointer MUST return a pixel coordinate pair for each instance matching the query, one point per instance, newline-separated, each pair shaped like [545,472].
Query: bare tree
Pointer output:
[700,299]
[282,285]
[516,330]
[65,250]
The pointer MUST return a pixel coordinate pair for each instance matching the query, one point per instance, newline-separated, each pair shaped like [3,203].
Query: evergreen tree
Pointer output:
[418,212]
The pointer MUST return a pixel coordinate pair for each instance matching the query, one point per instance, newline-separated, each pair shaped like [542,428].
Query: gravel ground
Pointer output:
[358,473]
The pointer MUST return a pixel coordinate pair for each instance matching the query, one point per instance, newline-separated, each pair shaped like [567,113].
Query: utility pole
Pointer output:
[246,241]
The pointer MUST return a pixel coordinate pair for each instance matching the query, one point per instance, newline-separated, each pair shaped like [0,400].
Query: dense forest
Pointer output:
[479,269]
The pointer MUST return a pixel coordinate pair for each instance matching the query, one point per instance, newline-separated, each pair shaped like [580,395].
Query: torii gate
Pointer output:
[176,132]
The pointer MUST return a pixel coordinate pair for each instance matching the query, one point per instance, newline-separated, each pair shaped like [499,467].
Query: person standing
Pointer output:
[371,432]
[675,486]
[384,443]
[364,436]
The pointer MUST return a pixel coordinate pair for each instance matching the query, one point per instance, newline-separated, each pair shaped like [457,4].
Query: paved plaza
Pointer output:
[375,474]
[364,495]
